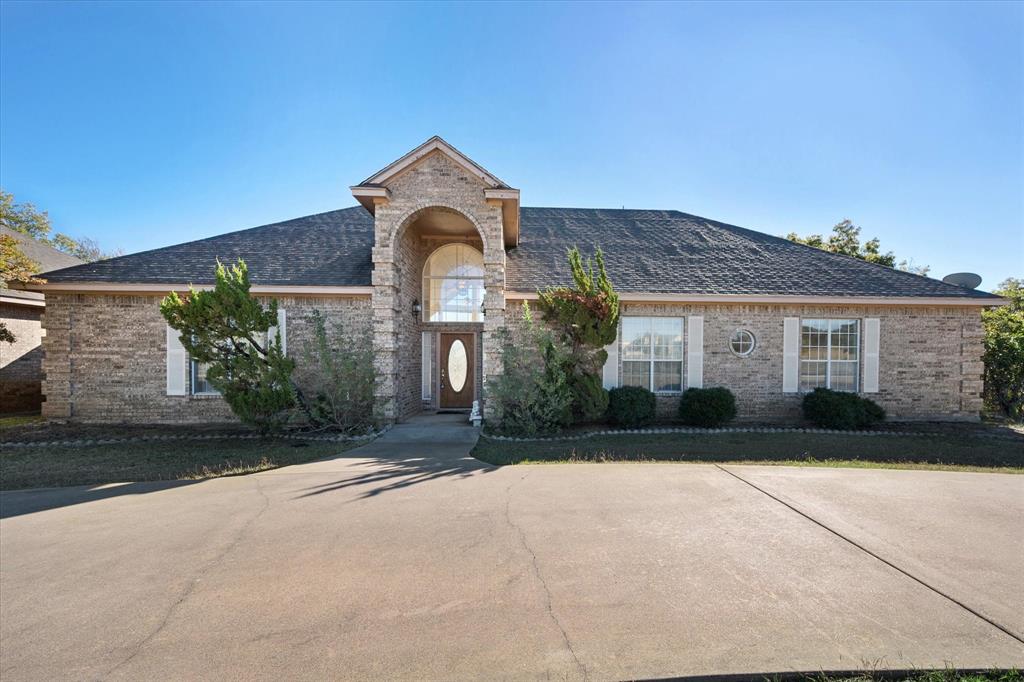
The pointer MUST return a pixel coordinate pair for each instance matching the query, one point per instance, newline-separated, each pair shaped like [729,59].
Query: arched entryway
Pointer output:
[440,274]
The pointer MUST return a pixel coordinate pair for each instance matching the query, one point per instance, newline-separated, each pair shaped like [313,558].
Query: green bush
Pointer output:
[590,399]
[229,329]
[707,407]
[631,406]
[533,395]
[839,410]
[337,377]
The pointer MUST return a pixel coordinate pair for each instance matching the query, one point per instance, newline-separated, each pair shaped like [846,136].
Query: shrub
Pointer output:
[585,318]
[337,376]
[707,407]
[590,399]
[631,406]
[533,395]
[839,410]
[1004,351]
[228,328]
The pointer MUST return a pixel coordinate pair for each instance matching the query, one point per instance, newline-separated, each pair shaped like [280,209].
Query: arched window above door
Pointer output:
[453,285]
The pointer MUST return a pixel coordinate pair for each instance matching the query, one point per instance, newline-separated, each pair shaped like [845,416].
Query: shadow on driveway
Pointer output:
[19,502]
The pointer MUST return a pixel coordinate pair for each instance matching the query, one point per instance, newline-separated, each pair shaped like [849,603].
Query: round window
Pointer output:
[742,342]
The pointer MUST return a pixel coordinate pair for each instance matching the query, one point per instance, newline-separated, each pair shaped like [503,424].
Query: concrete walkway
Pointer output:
[408,559]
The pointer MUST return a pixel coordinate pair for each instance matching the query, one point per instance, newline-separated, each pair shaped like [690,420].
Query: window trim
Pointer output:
[753,342]
[425,290]
[651,360]
[858,363]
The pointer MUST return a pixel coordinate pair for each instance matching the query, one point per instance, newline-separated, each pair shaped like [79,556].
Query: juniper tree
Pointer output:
[227,328]
[586,317]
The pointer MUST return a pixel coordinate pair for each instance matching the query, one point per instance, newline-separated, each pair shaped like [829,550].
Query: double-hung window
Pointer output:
[652,353]
[200,386]
[830,354]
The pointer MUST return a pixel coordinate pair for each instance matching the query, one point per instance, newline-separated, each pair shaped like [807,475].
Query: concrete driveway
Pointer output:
[407,559]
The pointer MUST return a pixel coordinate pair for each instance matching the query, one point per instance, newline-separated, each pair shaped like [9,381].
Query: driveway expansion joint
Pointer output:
[890,564]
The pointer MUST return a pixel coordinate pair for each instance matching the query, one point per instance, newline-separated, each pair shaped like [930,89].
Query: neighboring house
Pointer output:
[21,370]
[437,260]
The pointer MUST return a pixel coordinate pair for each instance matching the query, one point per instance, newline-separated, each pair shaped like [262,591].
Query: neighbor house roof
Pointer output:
[44,255]
[646,251]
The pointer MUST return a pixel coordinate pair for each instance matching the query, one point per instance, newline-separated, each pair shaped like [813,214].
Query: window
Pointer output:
[742,342]
[200,386]
[829,354]
[453,285]
[652,353]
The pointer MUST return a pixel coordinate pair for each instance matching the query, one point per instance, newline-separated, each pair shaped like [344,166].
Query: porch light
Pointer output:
[416,307]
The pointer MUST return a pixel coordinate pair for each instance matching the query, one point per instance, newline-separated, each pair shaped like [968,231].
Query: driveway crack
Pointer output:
[540,576]
[187,593]
[885,561]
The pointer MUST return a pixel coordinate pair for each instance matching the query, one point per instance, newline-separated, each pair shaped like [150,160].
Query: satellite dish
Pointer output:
[967,280]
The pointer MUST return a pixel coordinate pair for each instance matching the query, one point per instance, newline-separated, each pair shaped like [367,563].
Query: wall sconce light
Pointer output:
[416,308]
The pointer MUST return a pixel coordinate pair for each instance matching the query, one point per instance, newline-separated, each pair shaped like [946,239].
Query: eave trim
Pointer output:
[151,288]
[627,297]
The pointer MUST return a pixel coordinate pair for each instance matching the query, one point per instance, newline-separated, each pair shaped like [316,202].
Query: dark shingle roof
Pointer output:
[645,251]
[677,253]
[330,248]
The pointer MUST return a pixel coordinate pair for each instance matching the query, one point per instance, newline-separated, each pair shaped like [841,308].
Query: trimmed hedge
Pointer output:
[707,407]
[839,410]
[631,406]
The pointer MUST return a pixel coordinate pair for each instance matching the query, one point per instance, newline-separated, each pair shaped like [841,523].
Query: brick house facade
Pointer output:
[437,261]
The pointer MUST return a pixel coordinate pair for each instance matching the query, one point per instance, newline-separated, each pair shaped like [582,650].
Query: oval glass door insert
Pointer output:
[457,365]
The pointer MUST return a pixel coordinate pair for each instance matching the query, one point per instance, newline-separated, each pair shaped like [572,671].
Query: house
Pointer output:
[21,368]
[435,262]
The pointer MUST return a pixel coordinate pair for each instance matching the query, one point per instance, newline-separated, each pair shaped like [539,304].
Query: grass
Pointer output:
[39,467]
[947,675]
[12,421]
[939,451]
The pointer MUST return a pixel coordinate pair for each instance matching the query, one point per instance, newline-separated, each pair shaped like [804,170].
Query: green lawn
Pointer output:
[38,467]
[950,675]
[973,452]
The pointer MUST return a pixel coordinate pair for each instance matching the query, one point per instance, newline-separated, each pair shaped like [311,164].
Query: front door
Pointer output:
[457,360]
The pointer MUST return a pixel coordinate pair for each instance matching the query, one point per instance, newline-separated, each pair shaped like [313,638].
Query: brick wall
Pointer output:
[929,365]
[21,371]
[105,356]
[433,183]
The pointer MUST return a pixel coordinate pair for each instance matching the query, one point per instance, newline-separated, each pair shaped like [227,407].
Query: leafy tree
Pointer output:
[28,220]
[15,266]
[339,376]
[845,240]
[227,328]
[1004,350]
[532,396]
[585,318]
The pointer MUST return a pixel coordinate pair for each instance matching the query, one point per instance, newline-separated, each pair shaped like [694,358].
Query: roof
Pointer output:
[677,253]
[47,258]
[326,249]
[646,251]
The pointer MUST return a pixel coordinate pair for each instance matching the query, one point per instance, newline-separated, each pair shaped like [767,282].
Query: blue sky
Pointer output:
[143,125]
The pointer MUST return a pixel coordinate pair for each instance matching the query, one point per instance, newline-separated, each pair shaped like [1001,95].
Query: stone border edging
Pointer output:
[86,442]
[685,430]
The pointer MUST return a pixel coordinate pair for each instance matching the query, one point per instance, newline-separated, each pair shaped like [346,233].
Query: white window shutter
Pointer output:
[177,364]
[427,365]
[610,374]
[695,353]
[791,355]
[282,324]
[871,346]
